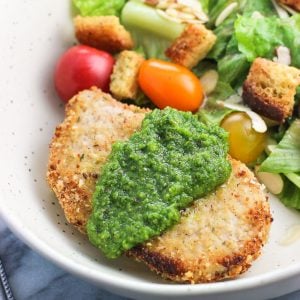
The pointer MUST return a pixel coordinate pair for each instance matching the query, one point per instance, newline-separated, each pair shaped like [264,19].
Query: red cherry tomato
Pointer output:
[169,84]
[82,67]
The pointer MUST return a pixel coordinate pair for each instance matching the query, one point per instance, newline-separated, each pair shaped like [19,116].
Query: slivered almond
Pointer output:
[272,181]
[283,55]
[209,81]
[163,14]
[226,13]
[280,11]
[187,11]
[288,9]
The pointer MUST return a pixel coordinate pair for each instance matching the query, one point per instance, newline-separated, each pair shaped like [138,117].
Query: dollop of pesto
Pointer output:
[173,160]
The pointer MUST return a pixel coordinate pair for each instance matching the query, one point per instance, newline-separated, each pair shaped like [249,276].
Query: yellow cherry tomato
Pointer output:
[245,144]
[169,84]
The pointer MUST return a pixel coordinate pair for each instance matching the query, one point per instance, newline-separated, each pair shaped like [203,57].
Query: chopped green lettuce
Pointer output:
[264,7]
[99,7]
[294,178]
[204,66]
[259,37]
[222,91]
[223,33]
[233,67]
[286,156]
[290,195]
[213,113]
[205,5]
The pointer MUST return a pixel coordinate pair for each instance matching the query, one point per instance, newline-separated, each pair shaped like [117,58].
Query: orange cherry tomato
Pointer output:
[169,84]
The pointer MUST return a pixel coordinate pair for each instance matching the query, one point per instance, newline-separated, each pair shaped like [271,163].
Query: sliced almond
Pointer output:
[187,11]
[163,14]
[288,9]
[280,11]
[172,12]
[186,16]
[283,55]
[226,13]
[272,181]
[209,81]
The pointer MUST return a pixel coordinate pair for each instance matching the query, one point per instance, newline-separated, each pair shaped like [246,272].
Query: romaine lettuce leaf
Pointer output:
[222,91]
[259,37]
[204,66]
[233,67]
[290,196]
[223,33]
[286,156]
[99,7]
[294,178]
[205,5]
[213,113]
[265,7]
[225,30]
[214,116]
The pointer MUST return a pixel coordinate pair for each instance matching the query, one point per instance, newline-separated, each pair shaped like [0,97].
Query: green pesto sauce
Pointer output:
[173,160]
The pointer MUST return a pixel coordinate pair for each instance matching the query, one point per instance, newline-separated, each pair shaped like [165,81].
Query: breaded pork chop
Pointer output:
[218,236]
[80,146]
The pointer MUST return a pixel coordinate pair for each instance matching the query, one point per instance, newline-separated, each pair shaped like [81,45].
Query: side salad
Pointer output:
[243,31]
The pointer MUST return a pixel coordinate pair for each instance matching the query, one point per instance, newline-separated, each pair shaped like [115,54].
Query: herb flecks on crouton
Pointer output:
[192,46]
[270,88]
[104,33]
[124,83]
[292,3]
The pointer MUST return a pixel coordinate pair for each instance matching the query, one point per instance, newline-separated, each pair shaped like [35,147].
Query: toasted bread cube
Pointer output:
[192,46]
[104,32]
[124,83]
[292,3]
[270,88]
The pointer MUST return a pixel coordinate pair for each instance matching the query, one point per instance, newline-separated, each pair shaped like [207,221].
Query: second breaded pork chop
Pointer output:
[218,236]
[80,146]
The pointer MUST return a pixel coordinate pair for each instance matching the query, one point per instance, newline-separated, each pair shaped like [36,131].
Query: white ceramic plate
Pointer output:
[33,34]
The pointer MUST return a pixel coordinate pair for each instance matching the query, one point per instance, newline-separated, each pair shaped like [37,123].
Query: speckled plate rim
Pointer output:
[175,290]
[122,285]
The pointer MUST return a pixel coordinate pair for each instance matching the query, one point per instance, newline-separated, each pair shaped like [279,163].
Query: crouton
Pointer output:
[105,33]
[292,3]
[270,88]
[192,46]
[123,84]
